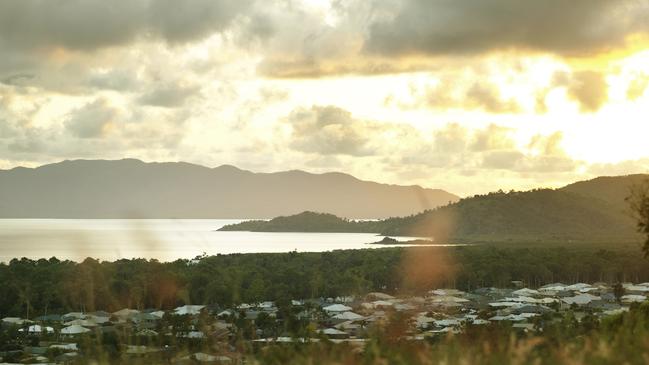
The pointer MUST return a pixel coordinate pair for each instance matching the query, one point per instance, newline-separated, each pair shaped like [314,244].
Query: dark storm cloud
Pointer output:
[443,27]
[92,24]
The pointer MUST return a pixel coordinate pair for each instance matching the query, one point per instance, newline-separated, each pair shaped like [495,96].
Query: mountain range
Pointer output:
[134,189]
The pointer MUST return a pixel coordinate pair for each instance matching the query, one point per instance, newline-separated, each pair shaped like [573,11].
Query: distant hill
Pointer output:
[305,222]
[132,188]
[534,215]
[592,210]
[611,189]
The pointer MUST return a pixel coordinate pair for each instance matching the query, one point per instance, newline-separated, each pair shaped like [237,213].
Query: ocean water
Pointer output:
[162,239]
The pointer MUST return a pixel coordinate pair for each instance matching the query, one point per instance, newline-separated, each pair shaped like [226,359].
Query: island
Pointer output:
[307,222]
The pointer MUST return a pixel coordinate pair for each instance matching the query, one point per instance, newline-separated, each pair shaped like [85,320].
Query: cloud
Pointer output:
[448,148]
[92,24]
[117,79]
[93,120]
[94,129]
[487,97]
[494,137]
[544,154]
[169,94]
[548,145]
[329,130]
[453,91]
[507,159]
[454,147]
[296,41]
[637,87]
[639,166]
[449,27]
[588,88]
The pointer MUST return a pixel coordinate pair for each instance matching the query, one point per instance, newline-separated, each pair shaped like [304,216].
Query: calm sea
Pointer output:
[162,239]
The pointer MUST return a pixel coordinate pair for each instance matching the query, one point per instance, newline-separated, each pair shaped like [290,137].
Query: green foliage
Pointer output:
[639,202]
[36,287]
[618,291]
[534,215]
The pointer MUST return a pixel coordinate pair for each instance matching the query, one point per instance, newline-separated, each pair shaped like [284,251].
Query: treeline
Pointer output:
[34,287]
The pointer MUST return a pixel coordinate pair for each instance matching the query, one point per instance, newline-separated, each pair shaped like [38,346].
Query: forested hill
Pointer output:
[611,189]
[306,222]
[588,210]
[533,215]
[135,189]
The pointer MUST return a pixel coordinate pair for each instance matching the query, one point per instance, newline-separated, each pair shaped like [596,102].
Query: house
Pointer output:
[37,329]
[579,287]
[14,321]
[334,333]
[354,329]
[525,327]
[221,329]
[267,306]
[125,313]
[382,304]
[581,299]
[337,308]
[72,316]
[65,346]
[48,318]
[633,298]
[448,299]
[98,319]
[448,322]
[81,322]
[192,334]
[204,358]
[191,310]
[378,296]
[404,307]
[141,350]
[526,292]
[445,292]
[423,321]
[158,314]
[74,330]
[348,316]
[146,333]
[145,320]
[539,309]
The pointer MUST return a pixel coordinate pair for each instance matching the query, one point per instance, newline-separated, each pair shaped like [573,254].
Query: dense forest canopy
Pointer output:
[32,287]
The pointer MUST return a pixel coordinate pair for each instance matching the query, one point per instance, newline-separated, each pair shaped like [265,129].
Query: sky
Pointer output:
[469,96]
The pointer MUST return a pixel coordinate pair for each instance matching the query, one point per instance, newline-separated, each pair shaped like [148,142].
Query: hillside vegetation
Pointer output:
[538,214]
[592,210]
[306,222]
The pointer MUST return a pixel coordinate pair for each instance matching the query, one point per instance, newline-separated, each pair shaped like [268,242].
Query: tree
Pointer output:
[618,291]
[639,202]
